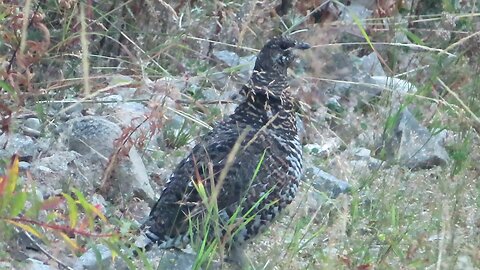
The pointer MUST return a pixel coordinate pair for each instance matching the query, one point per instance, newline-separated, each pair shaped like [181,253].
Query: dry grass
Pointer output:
[394,218]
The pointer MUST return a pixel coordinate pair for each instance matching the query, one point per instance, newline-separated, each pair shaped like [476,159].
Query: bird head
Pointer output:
[277,55]
[269,78]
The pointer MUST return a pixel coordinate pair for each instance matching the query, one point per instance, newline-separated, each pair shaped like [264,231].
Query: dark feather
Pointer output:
[267,122]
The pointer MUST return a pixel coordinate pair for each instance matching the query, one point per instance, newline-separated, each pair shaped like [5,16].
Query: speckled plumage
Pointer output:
[266,124]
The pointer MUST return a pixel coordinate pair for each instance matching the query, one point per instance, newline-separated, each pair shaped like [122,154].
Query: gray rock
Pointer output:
[110,101]
[66,109]
[19,144]
[246,64]
[243,67]
[364,84]
[6,265]
[31,132]
[4,154]
[397,87]
[33,123]
[74,109]
[371,65]
[465,262]
[175,260]
[133,178]
[94,138]
[139,210]
[364,162]
[365,166]
[131,114]
[413,146]
[328,146]
[33,264]
[99,257]
[354,73]
[228,57]
[333,103]
[57,171]
[57,161]
[361,152]
[301,129]
[119,79]
[361,79]
[97,199]
[91,135]
[231,59]
[358,9]
[23,165]
[325,182]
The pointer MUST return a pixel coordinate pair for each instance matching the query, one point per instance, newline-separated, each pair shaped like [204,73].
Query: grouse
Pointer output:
[251,161]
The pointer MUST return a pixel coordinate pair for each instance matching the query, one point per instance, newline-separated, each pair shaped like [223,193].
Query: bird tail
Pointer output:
[147,239]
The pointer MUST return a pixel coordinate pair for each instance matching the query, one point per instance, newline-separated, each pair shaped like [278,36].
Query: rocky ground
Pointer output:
[381,187]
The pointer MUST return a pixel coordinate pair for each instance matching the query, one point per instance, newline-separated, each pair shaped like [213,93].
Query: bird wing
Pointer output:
[180,198]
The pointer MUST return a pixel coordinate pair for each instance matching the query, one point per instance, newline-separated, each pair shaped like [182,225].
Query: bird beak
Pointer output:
[302,46]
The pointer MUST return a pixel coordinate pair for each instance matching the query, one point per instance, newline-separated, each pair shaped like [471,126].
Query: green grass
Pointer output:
[393,219]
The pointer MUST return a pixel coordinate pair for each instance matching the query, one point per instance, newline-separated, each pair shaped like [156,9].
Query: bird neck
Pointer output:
[261,107]
[273,80]
[269,86]
[266,96]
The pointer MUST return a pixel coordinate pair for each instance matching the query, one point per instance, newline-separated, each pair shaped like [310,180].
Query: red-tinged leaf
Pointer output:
[97,211]
[72,210]
[53,215]
[364,267]
[3,184]
[26,228]
[83,224]
[345,260]
[52,203]
[12,175]
[18,203]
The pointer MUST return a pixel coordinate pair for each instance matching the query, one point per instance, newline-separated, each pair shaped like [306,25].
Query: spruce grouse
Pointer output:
[259,179]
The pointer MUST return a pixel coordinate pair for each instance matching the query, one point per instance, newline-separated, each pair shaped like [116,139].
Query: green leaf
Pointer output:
[200,189]
[18,203]
[88,207]
[364,126]
[72,244]
[125,227]
[416,39]
[35,201]
[393,216]
[72,210]
[7,87]
[26,228]
[357,21]
[8,184]
[81,199]
[116,251]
